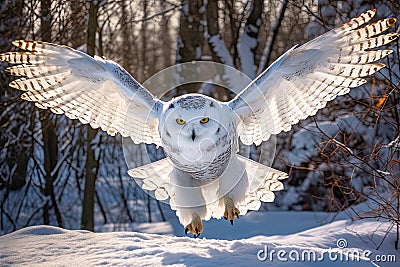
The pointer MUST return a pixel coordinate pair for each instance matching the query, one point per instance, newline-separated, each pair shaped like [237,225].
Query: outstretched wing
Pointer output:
[305,78]
[95,91]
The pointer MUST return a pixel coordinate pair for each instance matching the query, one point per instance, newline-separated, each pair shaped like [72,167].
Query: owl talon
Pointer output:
[195,227]
[231,212]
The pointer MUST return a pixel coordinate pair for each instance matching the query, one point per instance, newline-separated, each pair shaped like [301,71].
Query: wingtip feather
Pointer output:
[23,44]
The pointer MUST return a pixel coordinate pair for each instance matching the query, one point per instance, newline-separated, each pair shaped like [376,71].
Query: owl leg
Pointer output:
[190,204]
[233,186]
[195,227]
[231,212]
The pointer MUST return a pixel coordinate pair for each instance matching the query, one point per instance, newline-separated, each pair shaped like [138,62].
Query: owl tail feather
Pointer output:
[263,181]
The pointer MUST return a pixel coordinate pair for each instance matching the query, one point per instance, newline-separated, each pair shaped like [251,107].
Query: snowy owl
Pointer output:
[203,176]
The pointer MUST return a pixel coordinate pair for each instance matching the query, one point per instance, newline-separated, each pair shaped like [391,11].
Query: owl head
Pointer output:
[191,118]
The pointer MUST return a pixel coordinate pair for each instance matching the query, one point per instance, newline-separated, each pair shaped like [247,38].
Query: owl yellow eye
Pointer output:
[204,120]
[180,121]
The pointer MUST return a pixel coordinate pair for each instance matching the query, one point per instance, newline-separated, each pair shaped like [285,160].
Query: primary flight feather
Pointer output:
[203,176]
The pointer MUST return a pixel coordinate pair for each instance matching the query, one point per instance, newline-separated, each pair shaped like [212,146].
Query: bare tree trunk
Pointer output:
[219,52]
[216,44]
[190,32]
[92,165]
[45,20]
[248,41]
[50,147]
[143,30]
[126,38]
[230,15]
[78,22]
[271,39]
[190,39]
[144,69]
[166,37]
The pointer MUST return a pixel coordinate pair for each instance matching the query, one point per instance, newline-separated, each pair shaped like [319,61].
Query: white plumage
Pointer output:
[203,176]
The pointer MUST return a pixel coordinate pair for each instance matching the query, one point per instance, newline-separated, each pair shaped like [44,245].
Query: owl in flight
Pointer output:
[203,176]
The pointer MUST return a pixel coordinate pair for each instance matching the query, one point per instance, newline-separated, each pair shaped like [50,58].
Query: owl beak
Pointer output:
[193,135]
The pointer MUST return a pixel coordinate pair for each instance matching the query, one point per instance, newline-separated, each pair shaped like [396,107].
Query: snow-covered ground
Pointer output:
[289,238]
